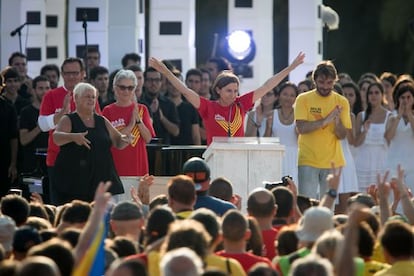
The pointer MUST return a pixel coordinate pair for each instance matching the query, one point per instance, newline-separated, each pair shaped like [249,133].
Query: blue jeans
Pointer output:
[312,181]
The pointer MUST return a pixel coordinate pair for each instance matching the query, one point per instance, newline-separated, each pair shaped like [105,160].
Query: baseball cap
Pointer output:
[314,222]
[126,210]
[198,170]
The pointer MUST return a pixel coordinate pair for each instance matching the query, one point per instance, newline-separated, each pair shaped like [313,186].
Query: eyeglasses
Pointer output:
[152,80]
[71,73]
[124,88]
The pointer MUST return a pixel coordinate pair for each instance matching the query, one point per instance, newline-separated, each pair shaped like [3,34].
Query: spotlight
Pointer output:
[240,49]
[240,46]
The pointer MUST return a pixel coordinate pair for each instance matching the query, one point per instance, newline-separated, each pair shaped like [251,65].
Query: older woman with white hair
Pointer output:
[85,139]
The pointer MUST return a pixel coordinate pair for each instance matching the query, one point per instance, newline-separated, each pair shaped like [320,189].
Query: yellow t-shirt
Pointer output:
[212,260]
[228,265]
[401,268]
[321,147]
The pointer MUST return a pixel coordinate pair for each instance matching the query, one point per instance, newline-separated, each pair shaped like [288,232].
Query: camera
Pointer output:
[284,182]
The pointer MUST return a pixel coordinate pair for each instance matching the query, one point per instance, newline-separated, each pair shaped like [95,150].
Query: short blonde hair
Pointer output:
[82,87]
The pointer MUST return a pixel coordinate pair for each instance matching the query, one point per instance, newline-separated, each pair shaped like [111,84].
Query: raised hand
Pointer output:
[102,196]
[383,186]
[66,103]
[334,115]
[298,60]
[367,124]
[36,197]
[334,178]
[156,64]
[143,188]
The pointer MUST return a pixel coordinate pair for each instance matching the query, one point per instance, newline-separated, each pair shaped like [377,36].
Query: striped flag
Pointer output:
[93,262]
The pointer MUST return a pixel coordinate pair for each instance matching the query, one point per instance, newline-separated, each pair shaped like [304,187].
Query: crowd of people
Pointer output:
[345,209]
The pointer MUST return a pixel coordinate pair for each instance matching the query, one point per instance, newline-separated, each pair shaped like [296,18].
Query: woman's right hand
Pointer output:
[81,140]
[156,64]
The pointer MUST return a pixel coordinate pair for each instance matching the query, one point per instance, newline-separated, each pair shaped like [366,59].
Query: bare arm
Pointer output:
[276,79]
[340,130]
[95,219]
[333,183]
[391,127]
[65,109]
[251,127]
[143,129]
[63,135]
[405,197]
[119,140]
[344,256]
[383,192]
[191,96]
[350,134]
[360,134]
[304,127]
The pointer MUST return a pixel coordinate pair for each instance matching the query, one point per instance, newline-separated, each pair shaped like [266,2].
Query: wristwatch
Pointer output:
[332,193]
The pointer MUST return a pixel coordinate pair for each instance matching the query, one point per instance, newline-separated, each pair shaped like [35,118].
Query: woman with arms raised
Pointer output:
[225,116]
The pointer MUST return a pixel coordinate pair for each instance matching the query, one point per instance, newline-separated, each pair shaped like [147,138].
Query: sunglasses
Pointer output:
[124,88]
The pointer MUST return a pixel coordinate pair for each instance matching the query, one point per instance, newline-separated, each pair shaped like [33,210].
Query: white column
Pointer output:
[259,20]
[305,34]
[55,34]
[172,31]
[126,30]
[97,30]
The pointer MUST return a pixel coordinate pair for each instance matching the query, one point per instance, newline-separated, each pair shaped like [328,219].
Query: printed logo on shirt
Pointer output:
[316,110]
[218,117]
[118,123]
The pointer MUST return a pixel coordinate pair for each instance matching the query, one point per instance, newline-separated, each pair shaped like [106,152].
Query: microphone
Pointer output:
[18,29]
[84,19]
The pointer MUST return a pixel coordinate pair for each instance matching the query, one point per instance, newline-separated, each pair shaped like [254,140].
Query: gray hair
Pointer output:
[181,262]
[311,265]
[82,87]
[125,74]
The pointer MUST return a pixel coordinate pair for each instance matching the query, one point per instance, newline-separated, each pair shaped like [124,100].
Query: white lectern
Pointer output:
[245,161]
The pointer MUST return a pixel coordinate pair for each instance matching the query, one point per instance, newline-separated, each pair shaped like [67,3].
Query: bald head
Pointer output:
[261,203]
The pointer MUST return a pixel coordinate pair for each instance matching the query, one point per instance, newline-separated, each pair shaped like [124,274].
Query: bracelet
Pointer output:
[138,122]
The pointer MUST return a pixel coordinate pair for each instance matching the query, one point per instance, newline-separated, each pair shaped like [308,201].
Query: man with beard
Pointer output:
[31,136]
[162,110]
[322,119]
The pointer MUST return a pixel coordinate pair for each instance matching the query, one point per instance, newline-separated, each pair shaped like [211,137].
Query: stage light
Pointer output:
[240,46]
[239,43]
[240,50]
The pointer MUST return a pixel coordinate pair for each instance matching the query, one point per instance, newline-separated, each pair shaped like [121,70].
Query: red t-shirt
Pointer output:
[225,121]
[52,103]
[269,237]
[132,160]
[247,260]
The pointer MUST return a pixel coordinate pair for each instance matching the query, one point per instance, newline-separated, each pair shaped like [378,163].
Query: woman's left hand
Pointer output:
[127,138]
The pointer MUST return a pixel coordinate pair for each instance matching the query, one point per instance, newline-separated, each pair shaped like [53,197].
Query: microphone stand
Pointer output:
[18,31]
[85,28]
